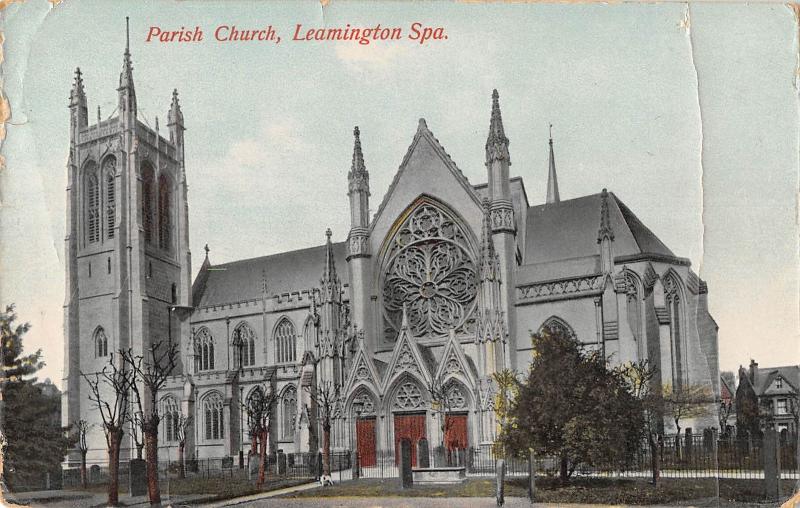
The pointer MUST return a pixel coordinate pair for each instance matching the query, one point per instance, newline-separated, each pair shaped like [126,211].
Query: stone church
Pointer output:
[442,286]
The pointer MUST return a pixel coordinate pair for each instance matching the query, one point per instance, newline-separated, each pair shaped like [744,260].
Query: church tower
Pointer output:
[502,221]
[358,255]
[127,241]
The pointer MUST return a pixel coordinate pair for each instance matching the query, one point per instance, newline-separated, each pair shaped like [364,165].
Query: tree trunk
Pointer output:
[181,458]
[678,454]
[84,479]
[653,458]
[563,470]
[114,440]
[326,448]
[151,450]
[262,461]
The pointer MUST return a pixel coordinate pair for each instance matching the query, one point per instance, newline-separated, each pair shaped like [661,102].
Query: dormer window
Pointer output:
[779,383]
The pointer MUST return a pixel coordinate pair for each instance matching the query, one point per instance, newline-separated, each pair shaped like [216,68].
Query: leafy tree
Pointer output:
[14,367]
[748,413]
[507,390]
[32,441]
[574,407]
[36,441]
[152,373]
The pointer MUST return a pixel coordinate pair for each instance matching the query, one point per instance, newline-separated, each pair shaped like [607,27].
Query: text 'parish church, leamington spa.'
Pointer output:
[446,281]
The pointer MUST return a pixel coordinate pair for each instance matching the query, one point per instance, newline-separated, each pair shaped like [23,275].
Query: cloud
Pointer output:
[369,57]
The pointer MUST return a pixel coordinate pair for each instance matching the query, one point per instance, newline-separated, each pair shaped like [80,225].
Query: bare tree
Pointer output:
[726,410]
[82,428]
[640,376]
[441,404]
[181,426]
[326,396]
[136,431]
[690,401]
[153,374]
[108,391]
[260,406]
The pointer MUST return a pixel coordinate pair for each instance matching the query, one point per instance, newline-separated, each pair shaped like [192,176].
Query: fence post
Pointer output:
[771,465]
[531,477]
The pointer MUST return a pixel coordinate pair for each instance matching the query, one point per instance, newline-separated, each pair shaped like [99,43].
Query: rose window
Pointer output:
[430,270]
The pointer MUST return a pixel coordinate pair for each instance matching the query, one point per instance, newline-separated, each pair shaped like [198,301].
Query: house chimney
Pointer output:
[753,371]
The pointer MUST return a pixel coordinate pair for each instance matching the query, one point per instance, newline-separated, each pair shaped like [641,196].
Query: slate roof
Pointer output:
[285,272]
[561,239]
[789,373]
[568,229]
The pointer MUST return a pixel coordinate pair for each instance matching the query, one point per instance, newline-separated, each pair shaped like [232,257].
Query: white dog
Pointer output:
[325,480]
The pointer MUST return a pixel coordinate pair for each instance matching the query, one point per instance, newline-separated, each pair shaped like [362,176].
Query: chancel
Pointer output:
[444,284]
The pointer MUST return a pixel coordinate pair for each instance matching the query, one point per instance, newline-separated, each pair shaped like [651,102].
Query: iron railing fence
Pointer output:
[687,457]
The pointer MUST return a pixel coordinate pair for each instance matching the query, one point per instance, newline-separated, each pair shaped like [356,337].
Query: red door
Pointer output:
[365,440]
[410,427]
[455,434]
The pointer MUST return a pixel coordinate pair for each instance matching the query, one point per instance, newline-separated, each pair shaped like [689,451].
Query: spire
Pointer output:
[207,251]
[175,115]
[358,158]
[358,177]
[78,94]
[605,221]
[552,181]
[329,273]
[126,76]
[497,142]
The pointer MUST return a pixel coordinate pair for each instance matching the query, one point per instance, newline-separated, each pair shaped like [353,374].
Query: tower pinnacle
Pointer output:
[497,142]
[605,220]
[358,176]
[552,180]
[329,277]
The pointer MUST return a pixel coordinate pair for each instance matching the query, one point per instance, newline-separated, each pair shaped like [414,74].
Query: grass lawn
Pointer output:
[549,490]
[224,488]
[214,488]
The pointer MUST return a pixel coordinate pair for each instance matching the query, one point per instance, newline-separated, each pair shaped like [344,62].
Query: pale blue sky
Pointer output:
[269,134]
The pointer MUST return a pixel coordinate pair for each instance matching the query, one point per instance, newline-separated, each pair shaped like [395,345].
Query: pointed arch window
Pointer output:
[213,417]
[634,299]
[288,412]
[673,296]
[100,343]
[148,191]
[558,326]
[164,213]
[204,349]
[285,342]
[92,207]
[244,346]
[171,418]
[111,195]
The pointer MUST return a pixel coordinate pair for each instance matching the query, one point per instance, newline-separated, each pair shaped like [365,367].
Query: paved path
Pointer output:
[400,502]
